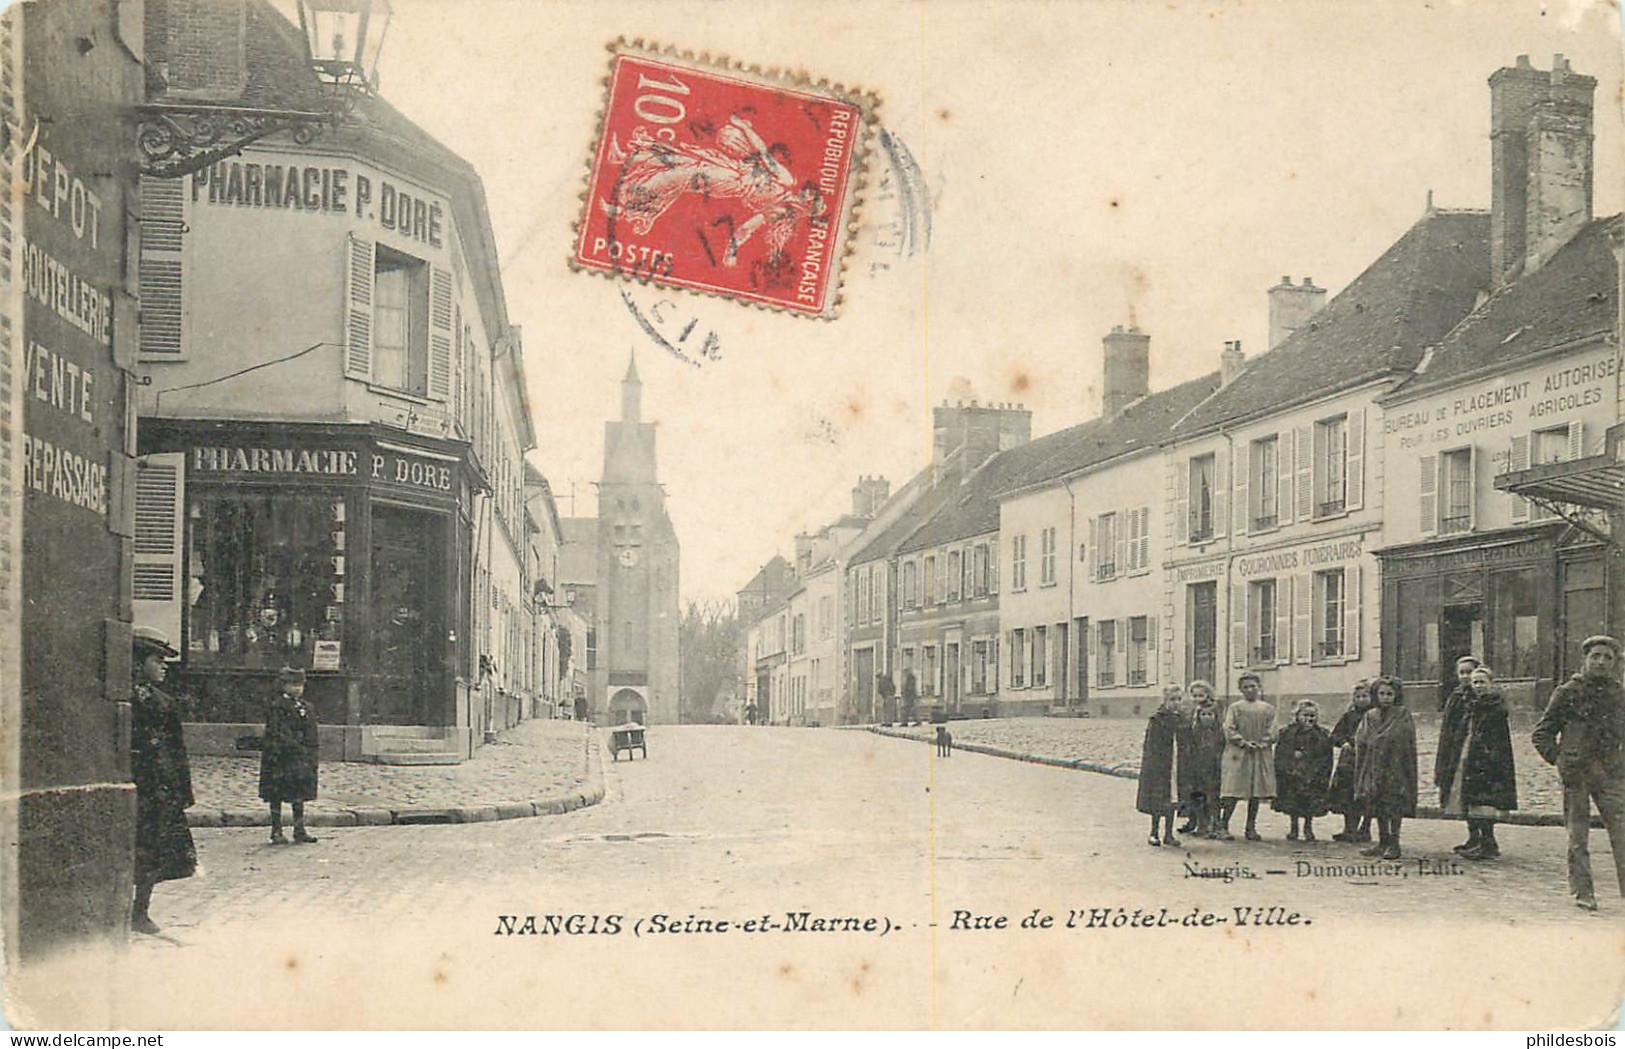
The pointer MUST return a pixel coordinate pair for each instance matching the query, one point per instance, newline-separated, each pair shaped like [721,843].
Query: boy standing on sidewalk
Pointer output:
[288,757]
[1583,734]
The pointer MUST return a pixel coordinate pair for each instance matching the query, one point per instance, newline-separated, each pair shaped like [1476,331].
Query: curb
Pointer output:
[1428,812]
[589,792]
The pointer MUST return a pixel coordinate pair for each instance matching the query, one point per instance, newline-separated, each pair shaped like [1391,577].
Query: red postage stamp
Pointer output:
[724,181]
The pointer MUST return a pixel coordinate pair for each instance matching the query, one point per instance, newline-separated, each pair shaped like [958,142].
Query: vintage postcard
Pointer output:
[559,515]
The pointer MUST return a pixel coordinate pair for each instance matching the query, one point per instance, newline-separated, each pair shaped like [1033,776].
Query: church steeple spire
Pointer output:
[631,392]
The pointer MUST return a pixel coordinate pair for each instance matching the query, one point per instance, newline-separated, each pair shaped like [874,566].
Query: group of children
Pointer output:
[1202,763]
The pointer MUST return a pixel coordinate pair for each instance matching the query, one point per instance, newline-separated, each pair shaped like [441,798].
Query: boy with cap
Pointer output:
[163,777]
[288,756]
[1583,734]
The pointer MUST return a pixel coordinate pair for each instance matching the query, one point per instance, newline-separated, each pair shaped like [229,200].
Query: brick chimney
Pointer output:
[1291,306]
[1540,163]
[868,495]
[1231,362]
[1127,373]
[982,430]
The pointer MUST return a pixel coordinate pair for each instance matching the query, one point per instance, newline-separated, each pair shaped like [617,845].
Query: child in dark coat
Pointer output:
[1303,769]
[288,757]
[1385,777]
[1482,784]
[1356,819]
[1201,749]
[1156,795]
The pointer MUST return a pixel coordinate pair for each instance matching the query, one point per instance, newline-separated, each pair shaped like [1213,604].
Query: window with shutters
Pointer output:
[1040,656]
[1330,596]
[160,276]
[1046,557]
[1203,473]
[955,571]
[268,575]
[1550,445]
[911,596]
[1456,491]
[979,569]
[978,667]
[1138,547]
[1106,547]
[1018,658]
[1261,613]
[930,597]
[400,322]
[1331,451]
[928,676]
[1106,653]
[1263,471]
[1018,562]
[1139,649]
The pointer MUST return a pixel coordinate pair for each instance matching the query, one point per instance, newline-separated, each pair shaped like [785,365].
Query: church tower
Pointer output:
[637,676]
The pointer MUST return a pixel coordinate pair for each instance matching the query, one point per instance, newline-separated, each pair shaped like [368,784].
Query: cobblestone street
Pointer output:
[403,925]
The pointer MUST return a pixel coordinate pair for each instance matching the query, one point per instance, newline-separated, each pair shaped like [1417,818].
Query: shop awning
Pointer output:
[1597,481]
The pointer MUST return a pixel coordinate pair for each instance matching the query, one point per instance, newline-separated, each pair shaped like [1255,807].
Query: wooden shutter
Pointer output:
[1283,620]
[1221,493]
[440,316]
[1303,600]
[1238,625]
[1151,657]
[1120,528]
[1283,465]
[1182,501]
[1352,598]
[1094,649]
[1472,487]
[1094,544]
[1304,461]
[358,274]
[1428,487]
[1577,440]
[1244,476]
[1354,485]
[1120,652]
[1519,460]
[1145,537]
[160,504]
[159,273]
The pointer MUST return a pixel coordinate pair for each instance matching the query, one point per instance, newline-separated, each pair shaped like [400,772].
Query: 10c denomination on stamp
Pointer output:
[723,180]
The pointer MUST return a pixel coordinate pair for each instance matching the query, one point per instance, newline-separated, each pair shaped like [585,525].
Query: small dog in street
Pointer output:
[945,742]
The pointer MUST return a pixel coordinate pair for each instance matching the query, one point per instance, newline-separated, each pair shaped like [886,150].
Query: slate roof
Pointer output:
[1405,301]
[1574,295]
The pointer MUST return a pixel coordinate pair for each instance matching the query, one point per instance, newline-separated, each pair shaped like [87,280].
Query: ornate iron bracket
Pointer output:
[176,140]
[1578,517]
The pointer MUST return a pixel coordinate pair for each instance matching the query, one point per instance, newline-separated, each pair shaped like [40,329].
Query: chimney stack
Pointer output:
[1127,373]
[869,495]
[1231,362]
[1291,306]
[982,431]
[1540,163]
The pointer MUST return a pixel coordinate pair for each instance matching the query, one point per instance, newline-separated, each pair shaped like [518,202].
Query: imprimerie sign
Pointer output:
[290,185]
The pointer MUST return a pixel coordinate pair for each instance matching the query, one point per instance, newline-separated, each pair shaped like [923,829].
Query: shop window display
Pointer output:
[266,580]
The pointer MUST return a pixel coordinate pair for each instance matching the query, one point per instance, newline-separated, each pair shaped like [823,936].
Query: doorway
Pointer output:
[1080,630]
[1202,627]
[863,683]
[1461,633]
[950,673]
[408,618]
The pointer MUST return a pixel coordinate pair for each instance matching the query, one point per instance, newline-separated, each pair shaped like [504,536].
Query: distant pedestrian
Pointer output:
[1303,769]
[1356,819]
[288,756]
[1583,734]
[1201,750]
[163,777]
[1385,779]
[1477,777]
[1248,771]
[1158,787]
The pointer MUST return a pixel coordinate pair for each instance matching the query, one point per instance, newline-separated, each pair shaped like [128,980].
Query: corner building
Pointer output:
[332,438]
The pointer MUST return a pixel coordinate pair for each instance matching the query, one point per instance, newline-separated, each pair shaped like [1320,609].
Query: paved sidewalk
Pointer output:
[1112,746]
[537,768]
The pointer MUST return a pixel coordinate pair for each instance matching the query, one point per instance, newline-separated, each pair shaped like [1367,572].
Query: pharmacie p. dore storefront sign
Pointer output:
[367,464]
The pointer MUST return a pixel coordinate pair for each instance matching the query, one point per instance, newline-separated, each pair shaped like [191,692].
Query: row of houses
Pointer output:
[1426,464]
